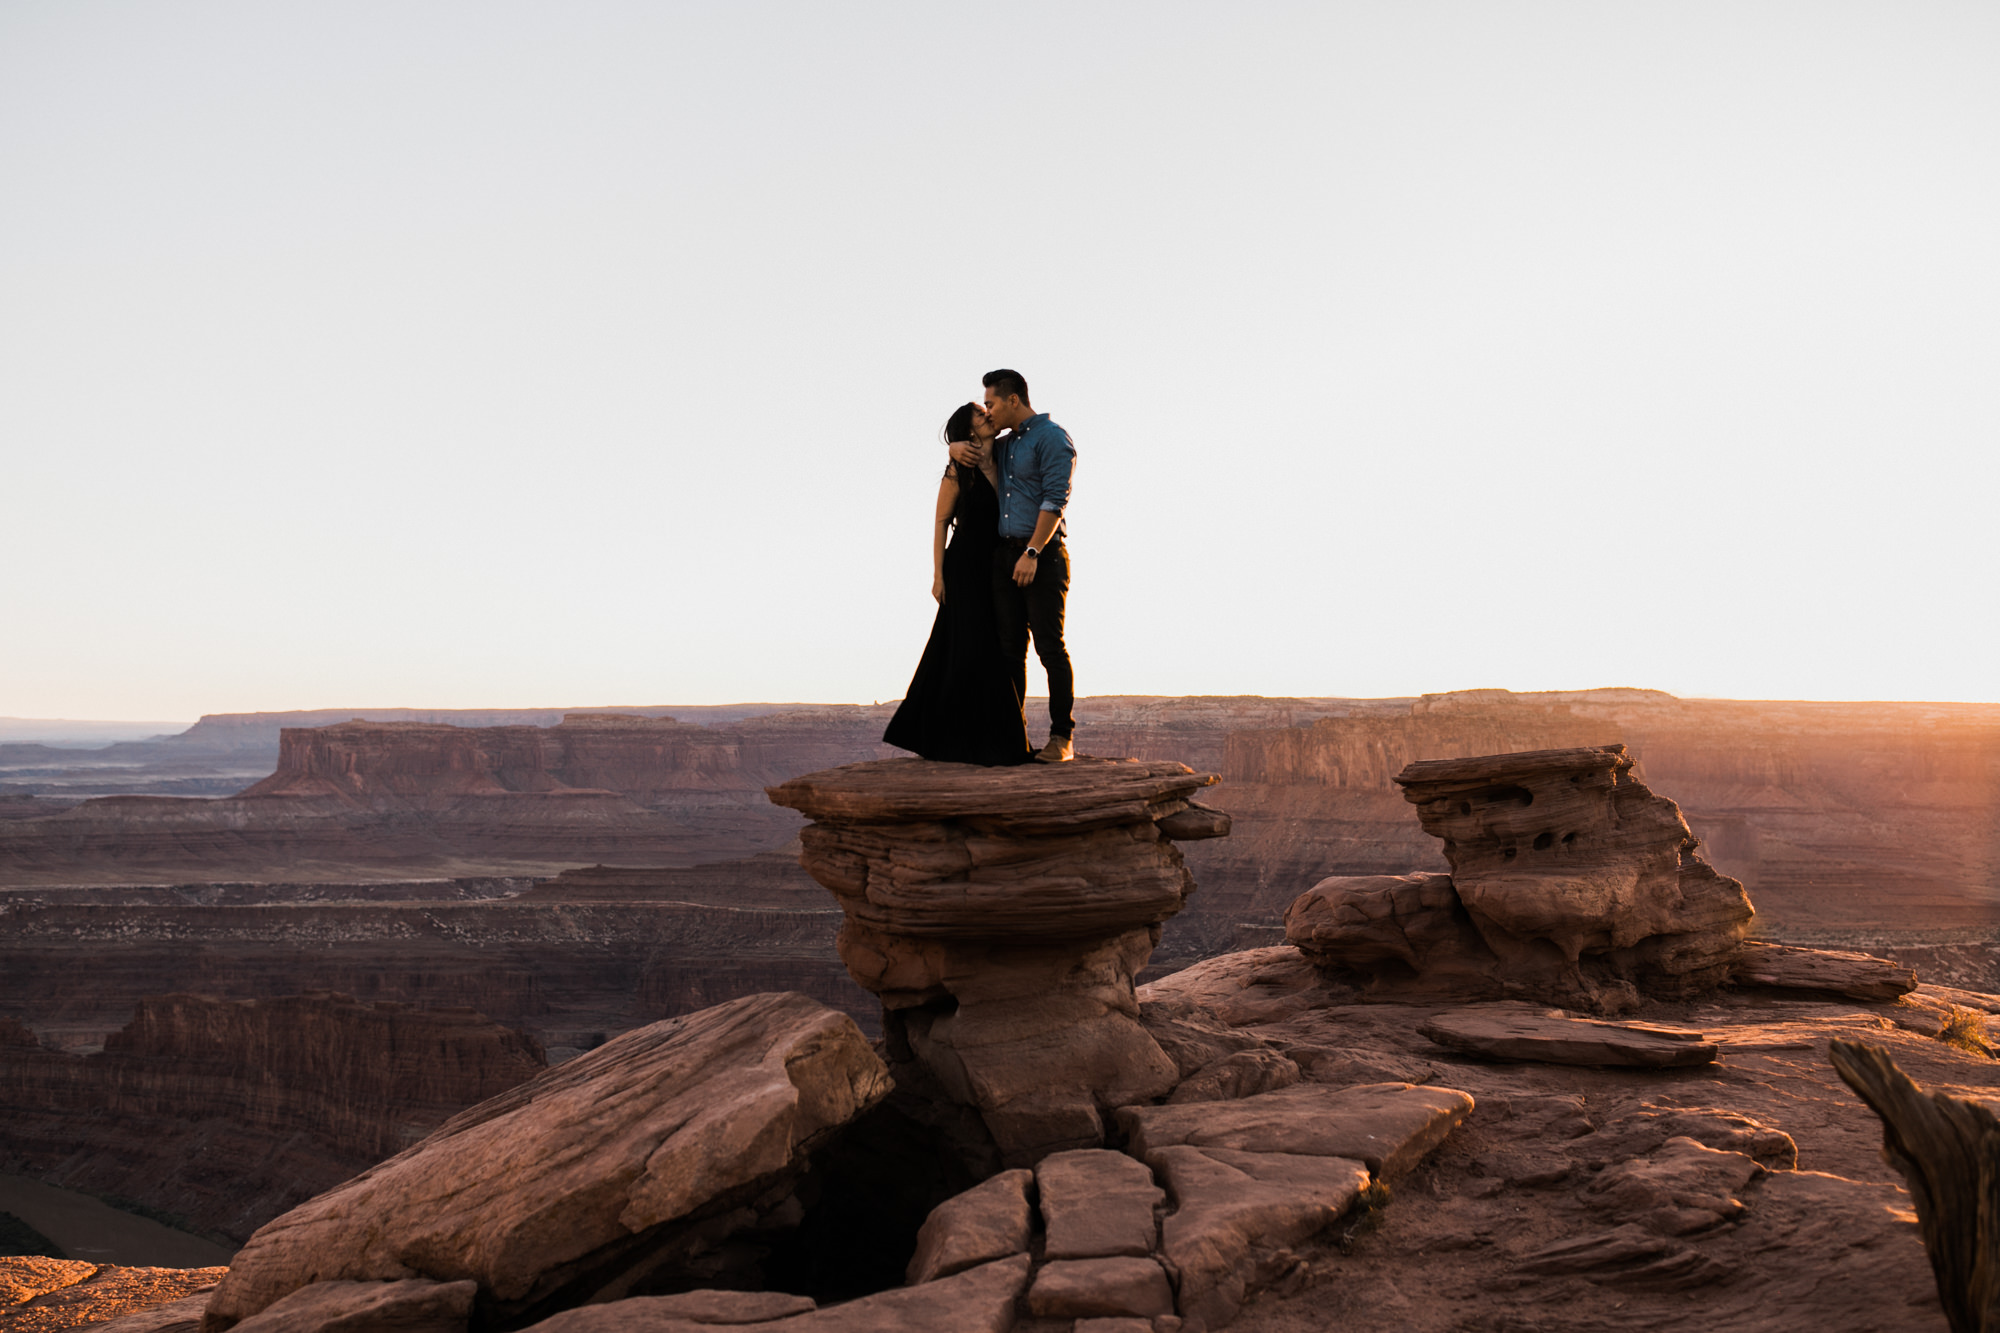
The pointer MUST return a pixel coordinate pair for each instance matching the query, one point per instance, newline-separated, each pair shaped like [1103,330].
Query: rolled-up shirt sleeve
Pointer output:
[1058,459]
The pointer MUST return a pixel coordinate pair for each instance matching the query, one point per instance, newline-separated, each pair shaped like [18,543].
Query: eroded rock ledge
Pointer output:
[1001,915]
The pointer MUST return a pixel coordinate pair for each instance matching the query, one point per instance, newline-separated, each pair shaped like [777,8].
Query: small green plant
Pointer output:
[1965,1029]
[1369,1206]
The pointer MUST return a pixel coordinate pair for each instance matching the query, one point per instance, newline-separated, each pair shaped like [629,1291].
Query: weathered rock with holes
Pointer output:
[989,1221]
[1001,915]
[621,1167]
[1508,1031]
[1570,883]
[1858,976]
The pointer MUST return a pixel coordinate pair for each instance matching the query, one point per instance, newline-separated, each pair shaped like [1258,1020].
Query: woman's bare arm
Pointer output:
[947,501]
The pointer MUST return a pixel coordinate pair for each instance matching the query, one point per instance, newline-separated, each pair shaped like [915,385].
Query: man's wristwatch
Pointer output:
[1031,553]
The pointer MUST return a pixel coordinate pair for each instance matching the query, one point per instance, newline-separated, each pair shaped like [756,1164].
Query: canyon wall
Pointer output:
[1874,824]
[567,967]
[1838,818]
[226,1113]
[1841,819]
[605,870]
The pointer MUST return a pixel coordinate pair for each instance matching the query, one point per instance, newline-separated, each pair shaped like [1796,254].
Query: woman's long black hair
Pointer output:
[958,426]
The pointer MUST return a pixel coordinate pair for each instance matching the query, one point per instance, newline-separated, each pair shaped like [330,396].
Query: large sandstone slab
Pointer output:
[686,1310]
[181,1316]
[1683,1187]
[1388,1126]
[1126,1287]
[1044,798]
[1858,976]
[1550,1036]
[415,1305]
[1235,1211]
[979,1300]
[585,1181]
[987,1222]
[1097,1204]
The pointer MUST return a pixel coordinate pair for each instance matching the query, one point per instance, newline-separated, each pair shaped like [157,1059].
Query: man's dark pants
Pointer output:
[1036,609]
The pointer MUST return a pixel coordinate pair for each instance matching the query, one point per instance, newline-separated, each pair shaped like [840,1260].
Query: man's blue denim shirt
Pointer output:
[1035,464]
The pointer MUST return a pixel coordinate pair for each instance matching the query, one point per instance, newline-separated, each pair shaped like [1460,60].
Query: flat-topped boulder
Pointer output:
[1030,799]
[1526,1032]
[1001,915]
[1570,882]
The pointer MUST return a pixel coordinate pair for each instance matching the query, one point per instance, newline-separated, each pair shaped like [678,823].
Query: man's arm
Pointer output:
[1045,528]
[1057,457]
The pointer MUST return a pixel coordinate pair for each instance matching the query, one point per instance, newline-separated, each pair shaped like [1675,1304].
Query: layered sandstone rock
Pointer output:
[593,1179]
[1858,976]
[1597,1196]
[1510,1031]
[1207,1207]
[1571,882]
[1001,915]
[978,1300]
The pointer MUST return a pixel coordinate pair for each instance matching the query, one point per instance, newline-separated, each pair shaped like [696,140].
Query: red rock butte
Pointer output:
[1001,915]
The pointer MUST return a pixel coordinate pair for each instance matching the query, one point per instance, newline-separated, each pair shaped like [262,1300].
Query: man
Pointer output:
[1031,566]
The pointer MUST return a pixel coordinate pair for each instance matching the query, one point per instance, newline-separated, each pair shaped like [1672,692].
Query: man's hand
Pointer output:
[1024,570]
[968,453]
[937,589]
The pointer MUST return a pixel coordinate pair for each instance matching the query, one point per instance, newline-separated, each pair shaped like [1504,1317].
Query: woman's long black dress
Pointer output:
[961,705]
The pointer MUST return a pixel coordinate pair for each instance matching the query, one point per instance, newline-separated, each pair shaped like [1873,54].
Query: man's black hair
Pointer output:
[1008,383]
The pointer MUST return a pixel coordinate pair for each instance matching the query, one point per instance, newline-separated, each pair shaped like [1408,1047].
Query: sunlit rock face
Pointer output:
[1001,915]
[1571,882]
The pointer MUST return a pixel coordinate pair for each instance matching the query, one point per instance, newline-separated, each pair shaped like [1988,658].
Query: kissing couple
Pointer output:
[1003,577]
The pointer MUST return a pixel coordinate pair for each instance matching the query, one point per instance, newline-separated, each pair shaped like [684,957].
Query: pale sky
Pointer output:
[495,354]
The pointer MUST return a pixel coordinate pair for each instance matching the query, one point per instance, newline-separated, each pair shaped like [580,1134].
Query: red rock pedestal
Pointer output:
[1001,914]
[1570,883]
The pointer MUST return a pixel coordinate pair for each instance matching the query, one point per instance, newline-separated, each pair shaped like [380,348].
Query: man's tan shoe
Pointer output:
[1059,750]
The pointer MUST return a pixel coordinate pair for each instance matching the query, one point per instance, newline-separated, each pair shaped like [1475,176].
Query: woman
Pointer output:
[961,705]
